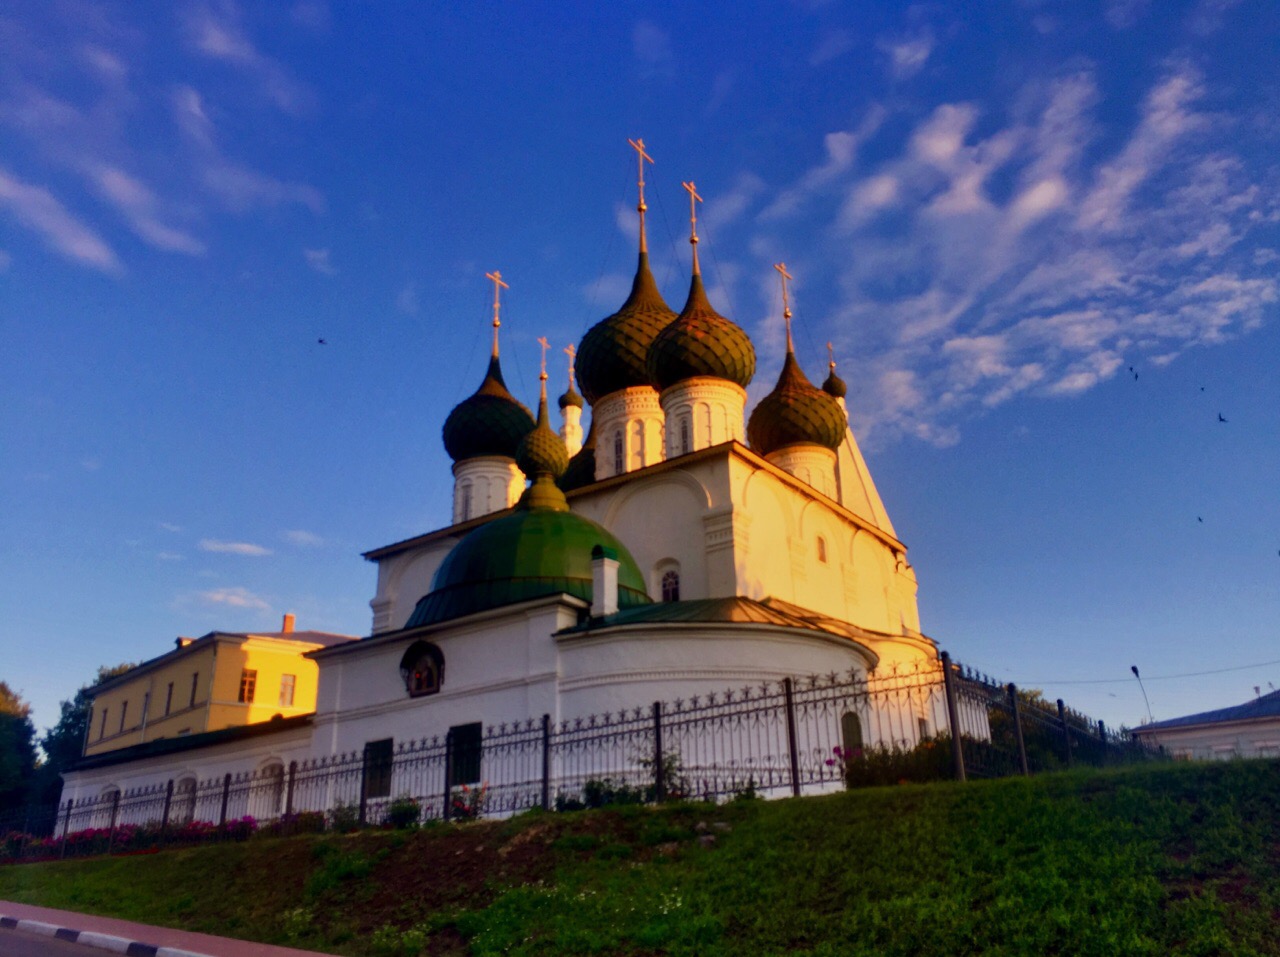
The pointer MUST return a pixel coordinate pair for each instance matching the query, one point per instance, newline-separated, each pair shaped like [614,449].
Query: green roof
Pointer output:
[531,553]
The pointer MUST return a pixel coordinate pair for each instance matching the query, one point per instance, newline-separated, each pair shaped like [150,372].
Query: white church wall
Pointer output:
[404,578]
[1222,741]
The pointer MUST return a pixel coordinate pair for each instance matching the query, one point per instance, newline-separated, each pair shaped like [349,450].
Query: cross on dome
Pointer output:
[694,200]
[641,158]
[786,303]
[498,284]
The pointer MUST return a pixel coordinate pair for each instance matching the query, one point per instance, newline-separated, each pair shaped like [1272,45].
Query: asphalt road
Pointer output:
[19,943]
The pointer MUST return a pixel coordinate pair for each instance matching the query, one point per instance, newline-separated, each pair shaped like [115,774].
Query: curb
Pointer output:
[116,945]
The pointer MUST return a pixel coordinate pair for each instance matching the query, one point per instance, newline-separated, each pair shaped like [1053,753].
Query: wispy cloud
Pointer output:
[235,598]
[318,259]
[218,34]
[232,548]
[40,211]
[831,46]
[303,537]
[169,556]
[907,55]
[170,527]
[140,208]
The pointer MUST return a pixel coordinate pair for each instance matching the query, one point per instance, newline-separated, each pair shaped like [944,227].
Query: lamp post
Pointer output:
[1134,669]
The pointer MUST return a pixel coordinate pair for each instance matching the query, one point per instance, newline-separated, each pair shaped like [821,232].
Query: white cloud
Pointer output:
[140,209]
[908,55]
[232,548]
[40,211]
[170,527]
[833,45]
[235,598]
[302,537]
[1123,14]
[219,36]
[318,259]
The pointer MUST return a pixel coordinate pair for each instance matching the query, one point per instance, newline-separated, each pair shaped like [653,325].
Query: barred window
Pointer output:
[671,586]
[248,684]
[378,760]
[619,466]
[288,683]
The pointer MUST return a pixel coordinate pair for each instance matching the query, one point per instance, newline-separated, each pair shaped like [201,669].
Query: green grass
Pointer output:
[1160,860]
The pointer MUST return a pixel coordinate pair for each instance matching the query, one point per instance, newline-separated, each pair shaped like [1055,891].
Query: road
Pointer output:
[19,943]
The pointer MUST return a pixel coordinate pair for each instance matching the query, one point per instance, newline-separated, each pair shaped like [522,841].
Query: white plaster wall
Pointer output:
[403,578]
[493,481]
[811,464]
[636,414]
[711,410]
[1237,739]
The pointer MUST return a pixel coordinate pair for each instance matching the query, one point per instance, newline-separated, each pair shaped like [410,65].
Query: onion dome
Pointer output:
[490,422]
[795,413]
[700,342]
[582,467]
[834,385]
[540,549]
[612,354]
[571,398]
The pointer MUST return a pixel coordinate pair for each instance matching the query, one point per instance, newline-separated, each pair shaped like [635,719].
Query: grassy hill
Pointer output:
[1158,860]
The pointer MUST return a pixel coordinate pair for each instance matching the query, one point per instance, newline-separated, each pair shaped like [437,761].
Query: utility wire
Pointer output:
[1185,674]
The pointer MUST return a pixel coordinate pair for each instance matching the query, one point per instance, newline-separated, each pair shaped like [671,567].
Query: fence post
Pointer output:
[546,762]
[226,796]
[168,803]
[364,785]
[1017,728]
[659,770]
[448,774]
[288,790]
[953,717]
[1066,732]
[66,827]
[1102,732]
[789,698]
[115,811]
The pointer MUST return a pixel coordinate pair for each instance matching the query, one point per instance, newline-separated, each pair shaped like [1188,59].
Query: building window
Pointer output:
[671,586]
[923,727]
[102,727]
[124,710]
[287,685]
[422,669]
[465,744]
[195,678]
[379,756]
[851,733]
[168,699]
[248,684]
[466,502]
[822,549]
[684,436]
[619,466]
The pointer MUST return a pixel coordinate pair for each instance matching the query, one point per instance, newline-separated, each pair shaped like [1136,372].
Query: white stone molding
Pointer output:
[702,412]
[628,421]
[485,484]
[811,464]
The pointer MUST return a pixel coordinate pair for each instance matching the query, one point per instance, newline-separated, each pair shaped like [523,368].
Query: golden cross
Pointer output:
[570,351]
[497,285]
[545,346]
[694,200]
[786,304]
[831,356]
[641,157]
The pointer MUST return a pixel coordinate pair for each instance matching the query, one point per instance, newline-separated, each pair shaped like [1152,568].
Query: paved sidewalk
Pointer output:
[142,940]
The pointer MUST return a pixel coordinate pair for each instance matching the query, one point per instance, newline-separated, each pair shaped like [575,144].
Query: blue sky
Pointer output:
[994,214]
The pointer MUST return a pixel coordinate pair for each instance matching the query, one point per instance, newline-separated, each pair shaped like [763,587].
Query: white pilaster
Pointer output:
[702,412]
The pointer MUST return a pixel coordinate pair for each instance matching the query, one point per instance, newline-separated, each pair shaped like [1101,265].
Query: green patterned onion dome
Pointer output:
[701,342]
[795,413]
[582,467]
[834,386]
[612,354]
[542,452]
[491,422]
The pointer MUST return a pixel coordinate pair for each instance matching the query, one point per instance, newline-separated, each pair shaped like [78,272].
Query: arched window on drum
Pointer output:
[422,669]
[671,585]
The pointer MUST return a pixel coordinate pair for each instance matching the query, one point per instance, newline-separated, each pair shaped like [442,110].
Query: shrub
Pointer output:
[930,760]
[344,817]
[467,803]
[404,811]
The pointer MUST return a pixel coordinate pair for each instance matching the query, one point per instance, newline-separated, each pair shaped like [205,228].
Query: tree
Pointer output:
[63,744]
[17,749]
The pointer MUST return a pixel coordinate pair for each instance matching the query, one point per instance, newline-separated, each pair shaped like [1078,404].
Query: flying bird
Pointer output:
[1199,519]
[322,342]
[1221,417]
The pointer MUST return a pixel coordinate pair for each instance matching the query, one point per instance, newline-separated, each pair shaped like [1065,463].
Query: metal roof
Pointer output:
[1267,706]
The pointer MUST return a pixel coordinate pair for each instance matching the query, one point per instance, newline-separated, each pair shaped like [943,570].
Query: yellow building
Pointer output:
[220,680]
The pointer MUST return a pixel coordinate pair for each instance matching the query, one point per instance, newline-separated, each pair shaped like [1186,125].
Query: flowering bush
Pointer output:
[930,760]
[404,811]
[467,803]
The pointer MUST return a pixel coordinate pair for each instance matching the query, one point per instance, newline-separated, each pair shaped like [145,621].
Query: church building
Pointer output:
[679,547]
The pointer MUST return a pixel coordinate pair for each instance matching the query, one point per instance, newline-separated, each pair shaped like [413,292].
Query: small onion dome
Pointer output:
[582,467]
[834,386]
[571,398]
[542,452]
[612,354]
[490,422]
[795,413]
[701,342]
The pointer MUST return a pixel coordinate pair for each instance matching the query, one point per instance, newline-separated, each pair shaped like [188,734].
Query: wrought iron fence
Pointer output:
[800,735]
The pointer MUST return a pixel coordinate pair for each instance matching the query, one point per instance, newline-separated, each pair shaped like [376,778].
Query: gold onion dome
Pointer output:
[490,422]
[700,342]
[542,452]
[795,413]
[612,354]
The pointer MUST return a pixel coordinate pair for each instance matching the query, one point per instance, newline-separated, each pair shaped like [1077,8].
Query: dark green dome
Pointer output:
[612,354]
[531,553]
[795,413]
[490,422]
[834,386]
[571,398]
[701,342]
[582,467]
